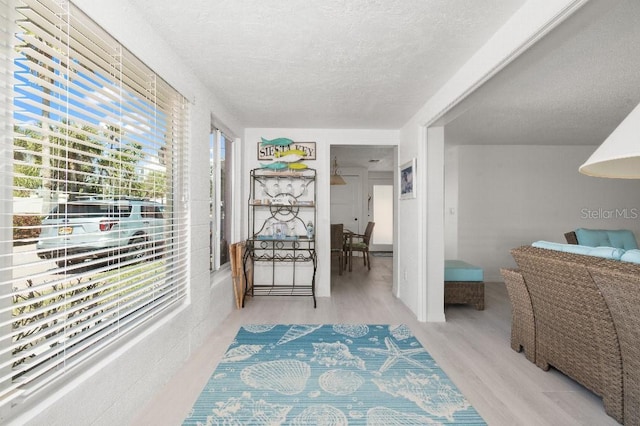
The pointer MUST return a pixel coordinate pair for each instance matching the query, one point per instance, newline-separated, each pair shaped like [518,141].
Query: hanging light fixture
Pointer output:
[336,179]
[619,154]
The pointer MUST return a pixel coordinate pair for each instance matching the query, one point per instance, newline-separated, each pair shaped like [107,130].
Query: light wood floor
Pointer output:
[472,347]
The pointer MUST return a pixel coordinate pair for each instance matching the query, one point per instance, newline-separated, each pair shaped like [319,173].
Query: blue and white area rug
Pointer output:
[341,374]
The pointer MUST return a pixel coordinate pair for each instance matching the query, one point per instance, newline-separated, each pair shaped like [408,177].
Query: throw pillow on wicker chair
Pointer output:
[619,238]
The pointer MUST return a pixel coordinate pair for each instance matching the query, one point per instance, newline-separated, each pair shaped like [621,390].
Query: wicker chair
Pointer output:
[571,237]
[574,329]
[523,328]
[361,246]
[337,245]
[619,283]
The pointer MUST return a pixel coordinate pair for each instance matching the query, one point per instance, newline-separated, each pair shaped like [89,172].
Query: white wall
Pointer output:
[451,203]
[530,23]
[513,195]
[410,253]
[323,138]
[120,382]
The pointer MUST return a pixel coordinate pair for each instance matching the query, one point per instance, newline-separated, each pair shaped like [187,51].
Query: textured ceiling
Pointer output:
[572,88]
[374,63]
[325,64]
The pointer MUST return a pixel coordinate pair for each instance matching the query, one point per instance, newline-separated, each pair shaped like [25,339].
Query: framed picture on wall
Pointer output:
[408,179]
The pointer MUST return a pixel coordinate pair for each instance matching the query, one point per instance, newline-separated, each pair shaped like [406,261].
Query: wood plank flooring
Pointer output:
[472,347]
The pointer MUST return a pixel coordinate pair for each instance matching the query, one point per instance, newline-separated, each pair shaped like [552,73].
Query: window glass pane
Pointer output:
[99,240]
[225,198]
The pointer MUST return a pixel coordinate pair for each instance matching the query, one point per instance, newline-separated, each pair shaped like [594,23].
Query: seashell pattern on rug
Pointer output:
[246,410]
[388,417]
[340,382]
[332,354]
[428,391]
[287,376]
[352,330]
[400,332]
[321,415]
[331,374]
[241,353]
[296,332]
[258,328]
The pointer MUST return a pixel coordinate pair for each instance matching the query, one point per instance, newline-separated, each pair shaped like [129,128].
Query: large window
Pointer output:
[220,201]
[95,197]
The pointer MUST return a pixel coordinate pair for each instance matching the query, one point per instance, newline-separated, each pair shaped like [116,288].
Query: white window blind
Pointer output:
[95,200]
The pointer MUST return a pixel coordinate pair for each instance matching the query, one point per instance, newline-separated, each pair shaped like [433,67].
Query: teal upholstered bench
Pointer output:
[463,283]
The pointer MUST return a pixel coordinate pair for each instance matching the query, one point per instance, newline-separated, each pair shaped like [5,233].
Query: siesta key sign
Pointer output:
[268,152]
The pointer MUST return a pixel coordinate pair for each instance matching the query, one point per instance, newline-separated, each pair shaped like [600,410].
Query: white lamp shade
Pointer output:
[619,154]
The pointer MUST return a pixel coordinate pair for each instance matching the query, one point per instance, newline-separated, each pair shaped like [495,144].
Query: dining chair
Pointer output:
[360,243]
[337,244]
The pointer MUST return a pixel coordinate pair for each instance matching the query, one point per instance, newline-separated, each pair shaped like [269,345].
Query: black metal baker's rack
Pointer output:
[281,206]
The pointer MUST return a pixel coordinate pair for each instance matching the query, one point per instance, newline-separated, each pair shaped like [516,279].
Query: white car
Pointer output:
[94,228]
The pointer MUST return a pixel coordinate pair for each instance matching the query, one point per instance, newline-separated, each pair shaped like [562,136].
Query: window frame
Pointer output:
[136,291]
[221,205]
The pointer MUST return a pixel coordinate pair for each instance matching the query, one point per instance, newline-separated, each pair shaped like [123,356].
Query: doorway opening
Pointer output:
[367,196]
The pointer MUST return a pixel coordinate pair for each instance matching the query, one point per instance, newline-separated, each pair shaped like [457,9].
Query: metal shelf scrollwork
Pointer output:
[281,205]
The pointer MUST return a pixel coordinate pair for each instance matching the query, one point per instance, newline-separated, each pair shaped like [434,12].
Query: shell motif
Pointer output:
[332,354]
[296,332]
[241,353]
[352,330]
[258,328]
[321,415]
[355,414]
[388,417]
[285,376]
[400,332]
[429,392]
[340,382]
[247,410]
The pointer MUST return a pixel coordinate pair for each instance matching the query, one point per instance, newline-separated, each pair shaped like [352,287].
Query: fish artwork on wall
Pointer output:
[277,141]
[297,166]
[291,158]
[288,152]
[285,154]
[276,165]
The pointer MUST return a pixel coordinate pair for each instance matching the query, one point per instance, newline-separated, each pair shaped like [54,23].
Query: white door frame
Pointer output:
[379,180]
